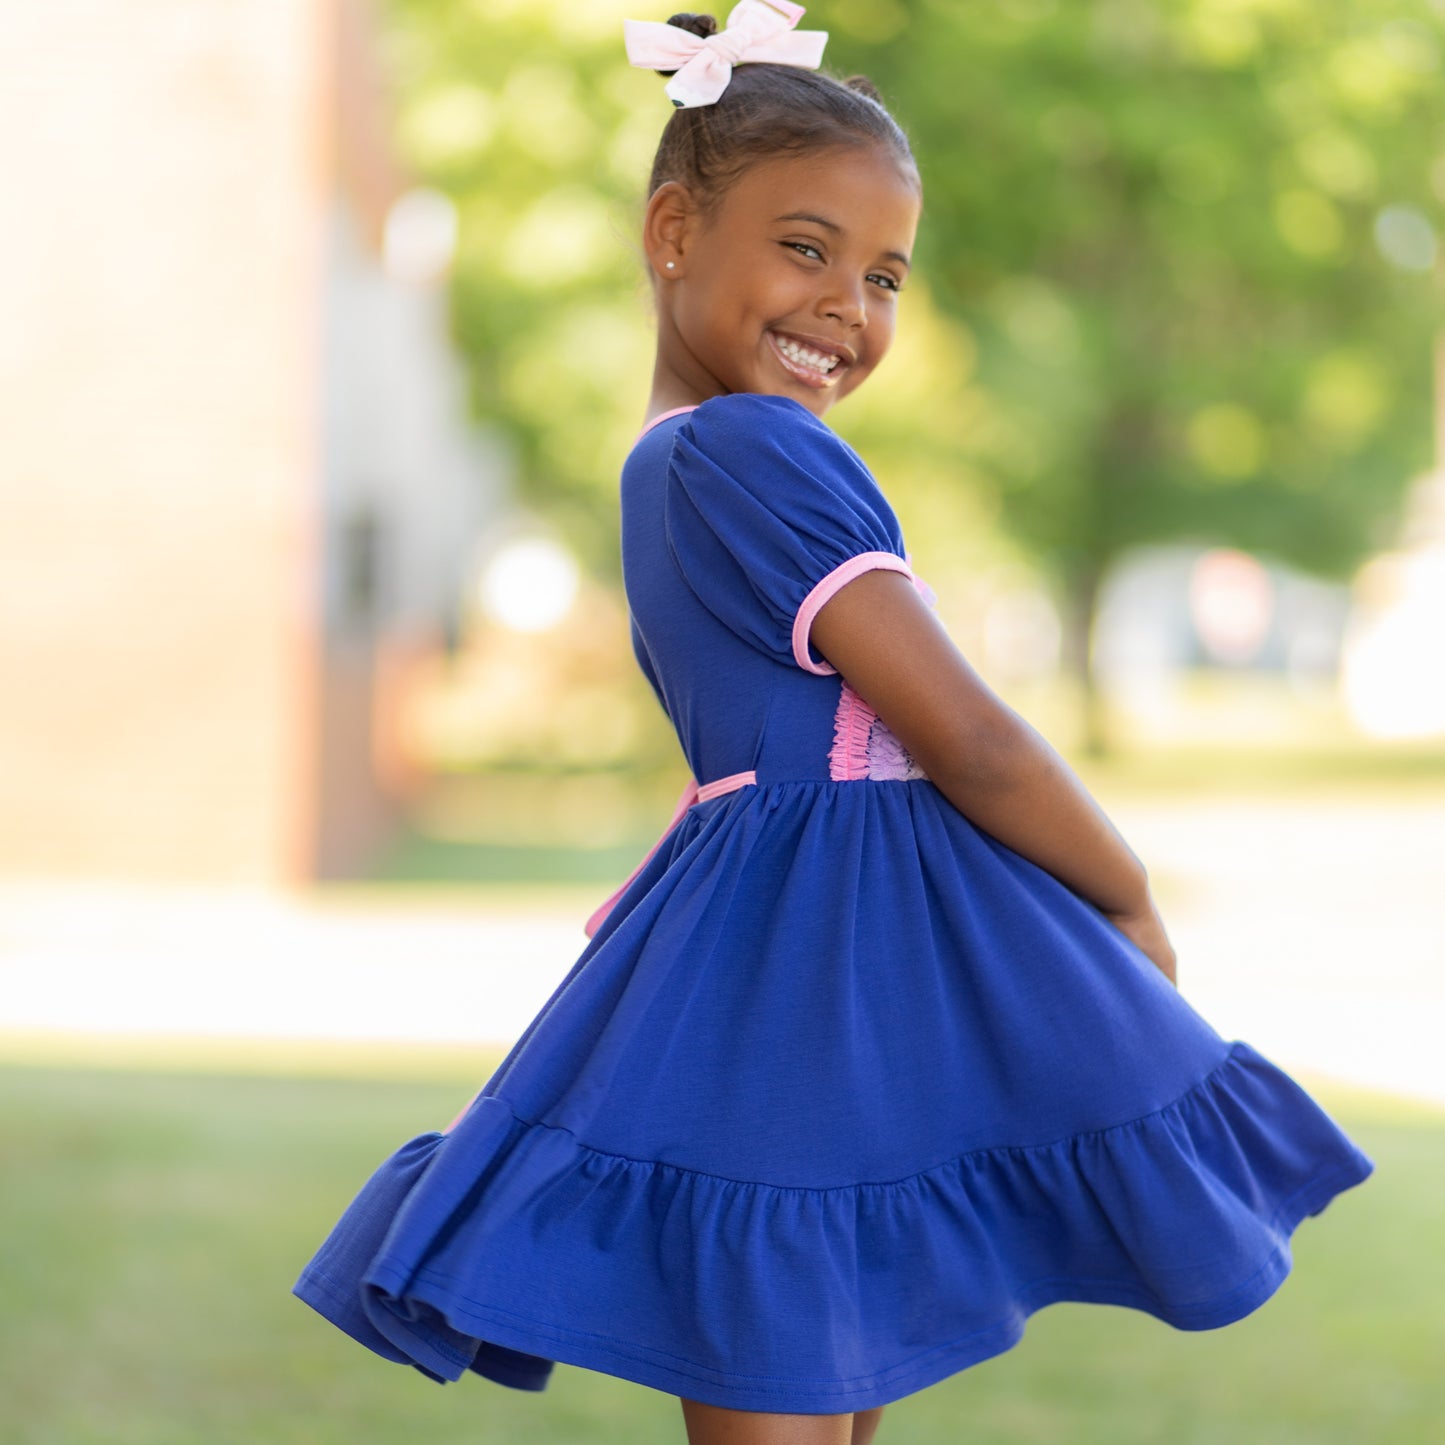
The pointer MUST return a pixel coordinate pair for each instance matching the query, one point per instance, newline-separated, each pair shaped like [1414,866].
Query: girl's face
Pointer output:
[789,285]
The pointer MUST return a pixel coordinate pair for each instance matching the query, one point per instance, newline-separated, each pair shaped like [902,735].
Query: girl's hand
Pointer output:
[1145,929]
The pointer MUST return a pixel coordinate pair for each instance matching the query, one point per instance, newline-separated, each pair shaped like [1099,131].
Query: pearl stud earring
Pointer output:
[671,265]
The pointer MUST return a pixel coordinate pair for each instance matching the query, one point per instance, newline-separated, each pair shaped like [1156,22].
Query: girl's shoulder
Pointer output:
[763,437]
[761,505]
[754,416]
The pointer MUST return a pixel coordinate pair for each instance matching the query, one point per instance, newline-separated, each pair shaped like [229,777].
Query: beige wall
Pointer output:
[164,170]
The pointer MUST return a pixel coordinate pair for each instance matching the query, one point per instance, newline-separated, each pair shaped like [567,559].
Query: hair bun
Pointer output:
[863,86]
[700,25]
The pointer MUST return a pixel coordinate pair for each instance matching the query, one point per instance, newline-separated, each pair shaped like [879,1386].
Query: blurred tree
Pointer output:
[1185,250]
[1195,242]
[526,116]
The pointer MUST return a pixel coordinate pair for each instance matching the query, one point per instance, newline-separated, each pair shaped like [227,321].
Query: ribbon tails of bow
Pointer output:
[757,30]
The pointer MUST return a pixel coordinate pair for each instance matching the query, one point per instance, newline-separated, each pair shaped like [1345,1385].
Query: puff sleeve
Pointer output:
[767,514]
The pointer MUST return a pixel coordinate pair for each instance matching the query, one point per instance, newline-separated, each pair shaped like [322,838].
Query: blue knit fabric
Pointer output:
[843,1088]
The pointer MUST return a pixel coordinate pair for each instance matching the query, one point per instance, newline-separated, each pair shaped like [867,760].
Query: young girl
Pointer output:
[879,1051]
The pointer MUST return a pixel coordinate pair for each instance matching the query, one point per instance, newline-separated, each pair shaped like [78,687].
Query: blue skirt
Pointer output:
[841,1091]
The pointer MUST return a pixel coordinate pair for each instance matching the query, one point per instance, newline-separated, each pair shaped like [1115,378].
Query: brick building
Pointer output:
[237,495]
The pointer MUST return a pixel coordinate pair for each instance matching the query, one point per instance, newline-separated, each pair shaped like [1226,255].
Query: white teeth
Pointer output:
[805,356]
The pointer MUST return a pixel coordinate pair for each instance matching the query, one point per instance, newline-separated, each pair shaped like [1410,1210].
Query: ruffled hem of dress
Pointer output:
[509,1245]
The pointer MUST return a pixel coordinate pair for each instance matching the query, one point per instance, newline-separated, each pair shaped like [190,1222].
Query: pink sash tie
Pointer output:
[691,794]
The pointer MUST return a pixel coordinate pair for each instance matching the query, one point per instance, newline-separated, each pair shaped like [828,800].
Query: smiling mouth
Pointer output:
[809,364]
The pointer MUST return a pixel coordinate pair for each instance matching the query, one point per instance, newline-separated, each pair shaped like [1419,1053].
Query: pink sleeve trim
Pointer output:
[813,603]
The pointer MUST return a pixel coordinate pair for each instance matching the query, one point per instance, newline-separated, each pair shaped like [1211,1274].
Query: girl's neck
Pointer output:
[670,392]
[665,404]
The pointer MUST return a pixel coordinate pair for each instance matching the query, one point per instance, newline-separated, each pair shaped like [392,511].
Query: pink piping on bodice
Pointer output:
[657,420]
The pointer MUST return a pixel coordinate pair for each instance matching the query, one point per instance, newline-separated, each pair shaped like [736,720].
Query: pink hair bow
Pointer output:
[757,30]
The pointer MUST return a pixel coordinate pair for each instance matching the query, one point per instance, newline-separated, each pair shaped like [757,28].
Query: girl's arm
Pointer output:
[985,759]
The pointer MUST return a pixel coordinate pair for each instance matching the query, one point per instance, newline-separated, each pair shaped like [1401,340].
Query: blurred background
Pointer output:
[324,335]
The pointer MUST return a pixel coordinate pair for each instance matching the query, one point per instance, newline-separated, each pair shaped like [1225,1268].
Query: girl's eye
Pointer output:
[879,278]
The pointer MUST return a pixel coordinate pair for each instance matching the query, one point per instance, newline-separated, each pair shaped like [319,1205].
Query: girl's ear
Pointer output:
[667,227]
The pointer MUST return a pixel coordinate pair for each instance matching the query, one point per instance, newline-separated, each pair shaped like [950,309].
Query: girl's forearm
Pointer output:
[985,759]
[1018,789]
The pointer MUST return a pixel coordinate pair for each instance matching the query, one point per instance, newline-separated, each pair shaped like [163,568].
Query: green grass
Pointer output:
[1401,772]
[152,1220]
[486,841]
[413,856]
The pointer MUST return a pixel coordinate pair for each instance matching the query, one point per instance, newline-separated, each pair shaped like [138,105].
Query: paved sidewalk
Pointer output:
[127,959]
[1315,931]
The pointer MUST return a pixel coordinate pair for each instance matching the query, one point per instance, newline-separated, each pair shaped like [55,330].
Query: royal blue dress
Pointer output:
[841,1089]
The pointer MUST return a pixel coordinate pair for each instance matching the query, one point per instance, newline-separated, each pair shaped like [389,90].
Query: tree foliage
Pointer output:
[1184,252]
[1194,241]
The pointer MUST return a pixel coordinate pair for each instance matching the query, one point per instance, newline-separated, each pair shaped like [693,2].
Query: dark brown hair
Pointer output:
[768,111]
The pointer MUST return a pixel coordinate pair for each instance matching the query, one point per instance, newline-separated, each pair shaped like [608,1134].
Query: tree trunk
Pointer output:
[1081,602]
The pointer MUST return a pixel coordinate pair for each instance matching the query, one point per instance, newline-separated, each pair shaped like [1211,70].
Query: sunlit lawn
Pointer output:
[158,1198]
[479,827]
[152,1221]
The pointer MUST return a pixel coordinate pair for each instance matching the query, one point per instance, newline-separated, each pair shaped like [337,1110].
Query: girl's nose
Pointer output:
[846,305]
